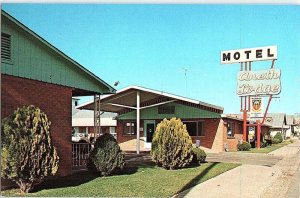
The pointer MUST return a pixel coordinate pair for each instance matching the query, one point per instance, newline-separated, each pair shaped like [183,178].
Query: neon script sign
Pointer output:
[264,82]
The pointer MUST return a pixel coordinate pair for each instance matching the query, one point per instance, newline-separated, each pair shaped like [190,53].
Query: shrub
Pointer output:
[106,157]
[263,144]
[245,146]
[275,141]
[269,142]
[171,145]
[28,154]
[199,155]
[279,137]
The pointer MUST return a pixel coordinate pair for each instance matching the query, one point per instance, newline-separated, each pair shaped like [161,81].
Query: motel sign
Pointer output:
[252,85]
[249,55]
[263,82]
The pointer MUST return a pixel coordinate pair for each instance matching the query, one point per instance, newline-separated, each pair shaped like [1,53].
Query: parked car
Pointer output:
[80,137]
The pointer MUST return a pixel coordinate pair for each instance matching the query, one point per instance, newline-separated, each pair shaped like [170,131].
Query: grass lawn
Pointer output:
[136,181]
[269,148]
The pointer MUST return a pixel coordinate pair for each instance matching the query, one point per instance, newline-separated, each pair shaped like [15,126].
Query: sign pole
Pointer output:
[245,125]
[258,133]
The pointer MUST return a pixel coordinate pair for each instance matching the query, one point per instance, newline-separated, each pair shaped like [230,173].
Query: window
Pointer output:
[166,110]
[191,127]
[230,129]
[195,128]
[5,47]
[200,129]
[112,131]
[129,128]
[240,128]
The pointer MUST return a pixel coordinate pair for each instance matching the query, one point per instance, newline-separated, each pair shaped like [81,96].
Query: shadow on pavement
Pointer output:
[185,189]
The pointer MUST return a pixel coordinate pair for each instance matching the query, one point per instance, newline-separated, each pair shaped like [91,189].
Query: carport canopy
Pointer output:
[137,98]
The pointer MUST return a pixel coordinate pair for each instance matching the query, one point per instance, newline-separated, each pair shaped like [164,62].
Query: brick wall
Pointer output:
[210,128]
[238,134]
[104,129]
[119,130]
[218,144]
[54,100]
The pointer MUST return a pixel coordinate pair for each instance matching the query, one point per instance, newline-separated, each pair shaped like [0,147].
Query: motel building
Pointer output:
[139,110]
[34,72]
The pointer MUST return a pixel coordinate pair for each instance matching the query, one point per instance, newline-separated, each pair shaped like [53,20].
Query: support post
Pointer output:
[95,116]
[265,115]
[245,125]
[99,115]
[258,133]
[138,122]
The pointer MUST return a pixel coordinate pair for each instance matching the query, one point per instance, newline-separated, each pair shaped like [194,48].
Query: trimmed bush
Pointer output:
[171,145]
[106,157]
[279,137]
[199,155]
[245,146]
[28,154]
[275,141]
[263,144]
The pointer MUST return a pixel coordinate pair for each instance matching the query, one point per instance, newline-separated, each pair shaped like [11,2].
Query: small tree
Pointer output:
[279,137]
[107,156]
[171,144]
[199,155]
[28,154]
[245,146]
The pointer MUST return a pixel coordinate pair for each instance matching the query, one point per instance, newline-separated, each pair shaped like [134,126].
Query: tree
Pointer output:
[171,144]
[28,155]
[106,156]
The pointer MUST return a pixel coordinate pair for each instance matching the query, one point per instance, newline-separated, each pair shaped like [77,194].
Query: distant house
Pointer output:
[290,124]
[83,122]
[278,123]
[233,130]
[34,72]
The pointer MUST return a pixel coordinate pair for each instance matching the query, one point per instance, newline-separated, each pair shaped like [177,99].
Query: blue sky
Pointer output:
[149,45]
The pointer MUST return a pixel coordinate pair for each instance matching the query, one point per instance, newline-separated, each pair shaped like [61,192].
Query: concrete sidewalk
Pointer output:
[252,180]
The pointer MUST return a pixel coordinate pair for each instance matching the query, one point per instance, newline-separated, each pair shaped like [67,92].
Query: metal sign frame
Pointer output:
[245,57]
[245,108]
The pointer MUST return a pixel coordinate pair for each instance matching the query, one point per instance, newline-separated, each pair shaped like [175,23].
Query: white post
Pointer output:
[99,115]
[95,117]
[138,122]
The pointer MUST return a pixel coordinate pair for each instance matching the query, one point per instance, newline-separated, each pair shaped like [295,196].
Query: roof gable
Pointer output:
[34,58]
[182,111]
[125,100]
[276,120]
[289,120]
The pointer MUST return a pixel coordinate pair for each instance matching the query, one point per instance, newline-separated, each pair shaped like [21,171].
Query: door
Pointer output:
[149,126]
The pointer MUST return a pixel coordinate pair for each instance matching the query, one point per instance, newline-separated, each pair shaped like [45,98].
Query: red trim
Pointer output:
[245,126]
[258,134]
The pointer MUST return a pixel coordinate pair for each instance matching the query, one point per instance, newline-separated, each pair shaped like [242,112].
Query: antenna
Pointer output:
[185,69]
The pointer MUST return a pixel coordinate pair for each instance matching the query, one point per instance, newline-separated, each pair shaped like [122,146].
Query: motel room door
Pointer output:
[149,126]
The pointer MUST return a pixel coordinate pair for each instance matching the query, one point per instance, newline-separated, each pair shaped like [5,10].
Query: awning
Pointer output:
[126,99]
